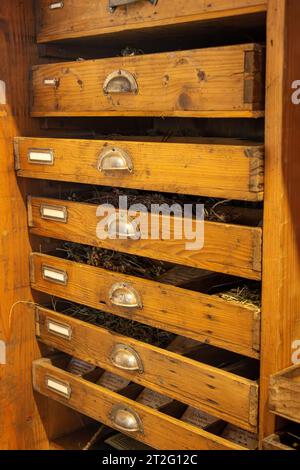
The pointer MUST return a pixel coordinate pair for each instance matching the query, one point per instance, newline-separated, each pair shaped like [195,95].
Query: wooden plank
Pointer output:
[284,393]
[94,18]
[224,169]
[281,265]
[204,318]
[223,394]
[230,249]
[183,83]
[159,430]
[273,443]
[21,425]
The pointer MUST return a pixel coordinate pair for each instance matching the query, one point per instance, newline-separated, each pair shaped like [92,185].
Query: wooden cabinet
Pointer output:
[205,121]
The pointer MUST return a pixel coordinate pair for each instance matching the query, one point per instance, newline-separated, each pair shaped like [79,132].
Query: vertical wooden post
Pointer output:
[281,252]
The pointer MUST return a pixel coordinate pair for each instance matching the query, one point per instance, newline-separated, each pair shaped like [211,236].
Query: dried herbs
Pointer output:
[119,325]
[246,296]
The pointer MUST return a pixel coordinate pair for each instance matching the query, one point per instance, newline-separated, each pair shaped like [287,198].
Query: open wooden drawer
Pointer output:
[225,393]
[203,317]
[222,168]
[230,249]
[68,19]
[185,83]
[284,393]
[145,424]
[273,443]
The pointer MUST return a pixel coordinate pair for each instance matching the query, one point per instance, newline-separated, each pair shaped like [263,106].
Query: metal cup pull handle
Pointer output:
[126,419]
[113,4]
[121,226]
[122,294]
[114,159]
[120,81]
[125,357]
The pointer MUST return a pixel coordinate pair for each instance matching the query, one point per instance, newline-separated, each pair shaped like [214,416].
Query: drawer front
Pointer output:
[184,83]
[198,316]
[152,427]
[232,171]
[284,393]
[230,249]
[69,19]
[213,390]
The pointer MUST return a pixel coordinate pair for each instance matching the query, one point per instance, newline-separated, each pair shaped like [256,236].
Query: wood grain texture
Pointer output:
[230,249]
[21,425]
[281,259]
[202,317]
[183,83]
[159,430]
[94,19]
[224,169]
[273,443]
[213,390]
[284,393]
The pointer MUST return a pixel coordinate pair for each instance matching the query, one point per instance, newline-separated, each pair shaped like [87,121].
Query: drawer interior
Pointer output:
[229,288]
[215,210]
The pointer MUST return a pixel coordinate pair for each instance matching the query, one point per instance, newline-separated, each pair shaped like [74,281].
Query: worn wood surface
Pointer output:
[202,317]
[21,425]
[230,249]
[94,19]
[183,83]
[273,443]
[281,259]
[218,392]
[211,167]
[159,430]
[284,393]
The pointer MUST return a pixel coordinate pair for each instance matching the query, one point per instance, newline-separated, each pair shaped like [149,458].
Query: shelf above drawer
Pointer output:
[185,83]
[205,318]
[230,249]
[284,393]
[89,19]
[217,168]
[152,427]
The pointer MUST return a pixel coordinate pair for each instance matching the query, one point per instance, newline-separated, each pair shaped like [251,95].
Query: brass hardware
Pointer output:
[54,275]
[126,358]
[121,226]
[59,387]
[114,159]
[57,213]
[41,156]
[113,4]
[58,329]
[120,81]
[124,295]
[126,419]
